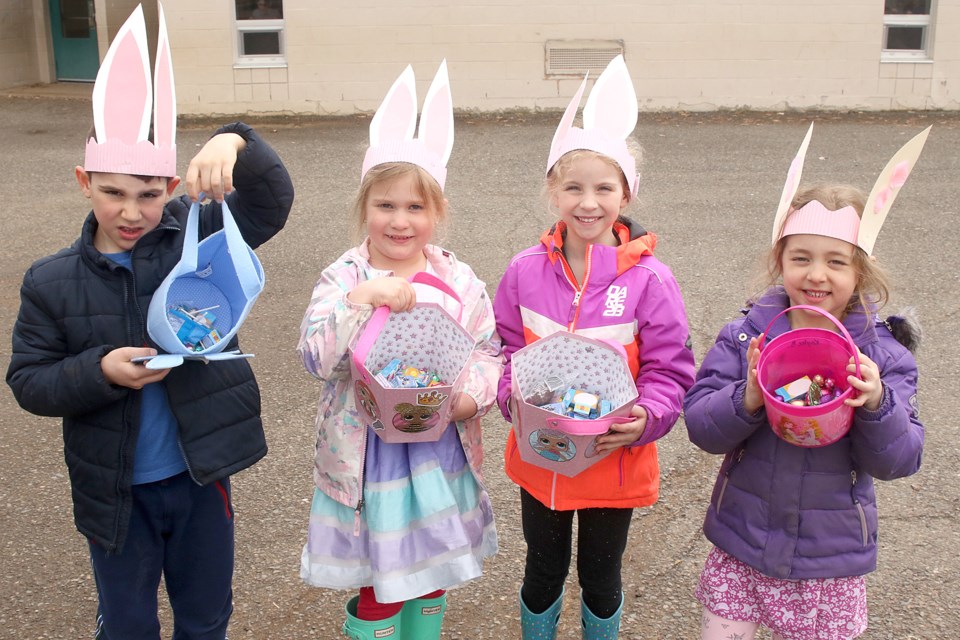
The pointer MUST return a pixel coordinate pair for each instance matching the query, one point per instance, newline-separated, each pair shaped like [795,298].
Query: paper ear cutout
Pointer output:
[609,118]
[791,186]
[392,127]
[887,187]
[844,224]
[612,105]
[124,98]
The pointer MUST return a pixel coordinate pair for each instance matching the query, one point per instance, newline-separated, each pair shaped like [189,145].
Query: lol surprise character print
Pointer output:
[553,445]
[445,529]
[593,273]
[411,418]
[794,528]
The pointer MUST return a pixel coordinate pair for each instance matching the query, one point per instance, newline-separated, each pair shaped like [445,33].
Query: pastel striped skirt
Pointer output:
[426,524]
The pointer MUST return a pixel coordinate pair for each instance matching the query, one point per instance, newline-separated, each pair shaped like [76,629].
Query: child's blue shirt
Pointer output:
[158,453]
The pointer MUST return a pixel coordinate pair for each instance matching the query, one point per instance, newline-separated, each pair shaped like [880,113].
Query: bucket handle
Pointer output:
[247,275]
[575,427]
[379,318]
[829,316]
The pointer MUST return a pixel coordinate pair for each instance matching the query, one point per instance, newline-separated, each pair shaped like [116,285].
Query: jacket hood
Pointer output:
[635,242]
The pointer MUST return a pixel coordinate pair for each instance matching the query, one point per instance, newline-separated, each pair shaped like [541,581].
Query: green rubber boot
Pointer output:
[595,628]
[539,626]
[358,629]
[423,618]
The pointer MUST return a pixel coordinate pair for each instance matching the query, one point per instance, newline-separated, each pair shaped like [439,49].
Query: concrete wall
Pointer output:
[19,49]
[342,55]
[683,54]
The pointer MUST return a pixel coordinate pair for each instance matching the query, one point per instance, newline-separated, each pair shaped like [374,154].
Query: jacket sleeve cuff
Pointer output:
[754,418]
[883,409]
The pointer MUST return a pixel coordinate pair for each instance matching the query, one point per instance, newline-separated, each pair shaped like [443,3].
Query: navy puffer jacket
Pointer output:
[76,306]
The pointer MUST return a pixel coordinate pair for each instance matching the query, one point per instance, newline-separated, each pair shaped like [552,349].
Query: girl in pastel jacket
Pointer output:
[401,521]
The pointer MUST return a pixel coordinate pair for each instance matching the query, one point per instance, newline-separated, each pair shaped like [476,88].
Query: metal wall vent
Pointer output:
[577,57]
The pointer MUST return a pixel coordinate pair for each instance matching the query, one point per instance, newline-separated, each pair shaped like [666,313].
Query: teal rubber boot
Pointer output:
[423,618]
[540,626]
[595,628]
[358,629]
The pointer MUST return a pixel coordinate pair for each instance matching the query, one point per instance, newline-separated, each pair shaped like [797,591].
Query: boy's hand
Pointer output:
[870,388]
[625,433]
[118,369]
[396,293]
[752,396]
[211,170]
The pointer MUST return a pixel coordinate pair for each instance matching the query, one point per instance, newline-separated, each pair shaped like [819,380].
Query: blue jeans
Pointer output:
[183,532]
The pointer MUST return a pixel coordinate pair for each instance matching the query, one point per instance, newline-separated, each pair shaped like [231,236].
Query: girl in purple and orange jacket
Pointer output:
[593,273]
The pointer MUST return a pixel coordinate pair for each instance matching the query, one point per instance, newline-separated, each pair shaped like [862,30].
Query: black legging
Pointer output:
[600,545]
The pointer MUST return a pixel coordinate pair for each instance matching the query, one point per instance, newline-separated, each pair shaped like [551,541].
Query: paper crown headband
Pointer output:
[845,224]
[392,127]
[609,117]
[123,102]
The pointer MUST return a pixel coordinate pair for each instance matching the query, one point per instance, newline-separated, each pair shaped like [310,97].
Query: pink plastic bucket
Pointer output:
[553,441]
[427,337]
[804,352]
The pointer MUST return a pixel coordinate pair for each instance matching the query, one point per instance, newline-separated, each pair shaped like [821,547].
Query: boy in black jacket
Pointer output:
[149,453]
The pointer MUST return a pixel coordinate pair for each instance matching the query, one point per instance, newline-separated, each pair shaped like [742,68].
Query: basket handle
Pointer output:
[422,277]
[575,427]
[247,274]
[379,318]
[829,316]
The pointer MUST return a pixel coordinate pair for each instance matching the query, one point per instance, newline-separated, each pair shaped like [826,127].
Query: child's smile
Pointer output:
[400,223]
[589,199]
[818,271]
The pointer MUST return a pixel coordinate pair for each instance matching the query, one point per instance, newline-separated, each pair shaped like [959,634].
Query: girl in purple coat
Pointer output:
[795,529]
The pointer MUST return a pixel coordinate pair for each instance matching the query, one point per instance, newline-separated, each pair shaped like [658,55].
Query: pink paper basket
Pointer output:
[553,441]
[427,337]
[805,352]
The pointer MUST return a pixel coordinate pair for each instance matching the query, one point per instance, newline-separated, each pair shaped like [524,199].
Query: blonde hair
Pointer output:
[555,176]
[873,283]
[426,186]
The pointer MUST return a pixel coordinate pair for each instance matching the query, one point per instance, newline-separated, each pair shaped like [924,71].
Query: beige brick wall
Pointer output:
[683,54]
[19,64]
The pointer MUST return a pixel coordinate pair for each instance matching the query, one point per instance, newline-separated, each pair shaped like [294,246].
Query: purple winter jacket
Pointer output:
[788,511]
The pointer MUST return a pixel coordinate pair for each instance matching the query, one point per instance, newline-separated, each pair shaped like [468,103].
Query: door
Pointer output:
[74,29]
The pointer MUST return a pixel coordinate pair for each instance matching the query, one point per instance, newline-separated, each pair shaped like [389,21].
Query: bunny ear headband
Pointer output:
[391,130]
[845,224]
[123,101]
[609,117]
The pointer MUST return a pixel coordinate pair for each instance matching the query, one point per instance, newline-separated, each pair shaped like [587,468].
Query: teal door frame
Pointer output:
[73,28]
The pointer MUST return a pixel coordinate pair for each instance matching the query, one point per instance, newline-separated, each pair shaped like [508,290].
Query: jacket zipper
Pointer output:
[363,473]
[856,502]
[571,327]
[577,291]
[726,477]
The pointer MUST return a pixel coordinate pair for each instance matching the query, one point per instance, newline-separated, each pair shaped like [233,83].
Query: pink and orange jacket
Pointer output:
[329,327]
[629,297]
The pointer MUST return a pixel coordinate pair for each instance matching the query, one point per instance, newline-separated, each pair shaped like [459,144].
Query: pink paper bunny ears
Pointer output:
[813,218]
[123,102]
[609,117]
[392,127]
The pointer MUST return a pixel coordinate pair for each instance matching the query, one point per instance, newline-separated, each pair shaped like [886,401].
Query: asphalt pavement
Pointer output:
[709,187]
